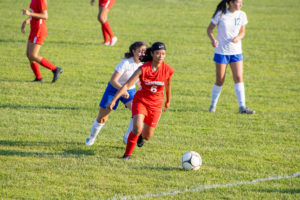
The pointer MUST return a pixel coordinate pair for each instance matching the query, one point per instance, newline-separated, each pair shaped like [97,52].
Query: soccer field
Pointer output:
[43,127]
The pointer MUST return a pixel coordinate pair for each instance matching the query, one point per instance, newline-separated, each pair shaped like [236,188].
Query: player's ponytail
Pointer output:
[133,47]
[222,6]
[147,56]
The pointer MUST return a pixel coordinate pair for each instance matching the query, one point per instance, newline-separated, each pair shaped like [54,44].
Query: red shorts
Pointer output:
[151,116]
[106,3]
[37,38]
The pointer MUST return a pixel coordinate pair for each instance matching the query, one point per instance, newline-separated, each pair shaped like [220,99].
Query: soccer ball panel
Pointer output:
[191,160]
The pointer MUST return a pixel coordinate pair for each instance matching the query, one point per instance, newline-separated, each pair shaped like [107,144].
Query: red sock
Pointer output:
[105,34]
[36,70]
[108,29]
[131,143]
[47,64]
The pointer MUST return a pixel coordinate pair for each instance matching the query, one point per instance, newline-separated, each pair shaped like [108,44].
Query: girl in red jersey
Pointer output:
[148,101]
[104,7]
[38,31]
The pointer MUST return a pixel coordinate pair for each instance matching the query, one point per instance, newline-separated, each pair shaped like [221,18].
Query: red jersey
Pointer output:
[151,92]
[38,25]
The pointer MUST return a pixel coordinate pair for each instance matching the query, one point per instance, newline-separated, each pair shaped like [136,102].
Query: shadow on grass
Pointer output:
[287,190]
[157,168]
[39,107]
[53,42]
[35,143]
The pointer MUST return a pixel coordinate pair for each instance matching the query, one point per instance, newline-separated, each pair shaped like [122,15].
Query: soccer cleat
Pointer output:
[56,73]
[126,156]
[140,141]
[244,110]
[212,109]
[106,43]
[38,80]
[113,41]
[90,141]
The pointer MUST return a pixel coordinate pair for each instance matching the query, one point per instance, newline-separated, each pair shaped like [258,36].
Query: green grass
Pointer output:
[43,126]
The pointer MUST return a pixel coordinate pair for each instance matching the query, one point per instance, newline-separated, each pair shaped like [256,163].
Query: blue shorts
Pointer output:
[110,93]
[226,59]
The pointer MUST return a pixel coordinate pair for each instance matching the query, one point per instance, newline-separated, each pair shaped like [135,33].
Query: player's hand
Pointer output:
[215,43]
[126,95]
[26,12]
[92,2]
[167,105]
[110,105]
[23,27]
[235,40]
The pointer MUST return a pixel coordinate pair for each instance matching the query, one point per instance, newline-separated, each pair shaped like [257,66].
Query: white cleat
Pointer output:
[113,41]
[90,141]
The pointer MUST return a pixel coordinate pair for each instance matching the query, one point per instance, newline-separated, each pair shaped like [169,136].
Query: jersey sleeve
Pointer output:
[43,5]
[244,19]
[121,66]
[216,18]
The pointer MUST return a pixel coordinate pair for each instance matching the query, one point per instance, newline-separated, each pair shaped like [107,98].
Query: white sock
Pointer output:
[96,129]
[215,94]
[240,93]
[129,129]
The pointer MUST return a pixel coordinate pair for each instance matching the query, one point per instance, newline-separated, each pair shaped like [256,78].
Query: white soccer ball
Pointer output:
[191,160]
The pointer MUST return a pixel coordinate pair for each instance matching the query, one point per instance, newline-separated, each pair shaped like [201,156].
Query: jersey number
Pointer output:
[153,89]
[237,21]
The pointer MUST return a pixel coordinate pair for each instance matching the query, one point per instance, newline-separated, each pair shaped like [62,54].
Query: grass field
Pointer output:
[43,126]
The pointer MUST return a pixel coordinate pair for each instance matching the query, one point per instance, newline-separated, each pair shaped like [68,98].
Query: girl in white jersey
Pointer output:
[231,24]
[123,72]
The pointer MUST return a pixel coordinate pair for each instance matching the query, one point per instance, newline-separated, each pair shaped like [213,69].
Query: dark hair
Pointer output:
[222,6]
[155,46]
[133,47]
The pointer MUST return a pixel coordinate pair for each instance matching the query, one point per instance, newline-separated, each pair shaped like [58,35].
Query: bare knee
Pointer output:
[137,130]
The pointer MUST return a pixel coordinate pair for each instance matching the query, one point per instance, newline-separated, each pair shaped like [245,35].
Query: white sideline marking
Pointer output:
[207,187]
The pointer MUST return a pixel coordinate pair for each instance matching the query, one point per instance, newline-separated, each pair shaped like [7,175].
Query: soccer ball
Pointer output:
[191,160]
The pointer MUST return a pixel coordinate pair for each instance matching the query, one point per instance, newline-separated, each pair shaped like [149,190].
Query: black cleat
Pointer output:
[140,141]
[126,156]
[56,73]
[38,80]
[244,110]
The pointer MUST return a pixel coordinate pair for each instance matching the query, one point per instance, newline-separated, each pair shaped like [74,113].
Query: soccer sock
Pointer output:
[105,34]
[240,93]
[108,29]
[36,70]
[215,94]
[129,129]
[47,64]
[96,129]
[131,143]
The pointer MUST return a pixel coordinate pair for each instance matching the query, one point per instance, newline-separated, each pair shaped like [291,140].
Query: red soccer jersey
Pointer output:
[151,92]
[38,25]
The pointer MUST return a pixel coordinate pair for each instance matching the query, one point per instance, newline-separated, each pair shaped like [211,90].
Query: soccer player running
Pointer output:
[38,31]
[148,101]
[104,7]
[123,72]
[231,25]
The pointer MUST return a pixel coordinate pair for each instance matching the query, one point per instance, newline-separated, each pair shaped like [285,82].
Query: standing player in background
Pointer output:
[38,31]
[148,101]
[231,23]
[123,72]
[104,7]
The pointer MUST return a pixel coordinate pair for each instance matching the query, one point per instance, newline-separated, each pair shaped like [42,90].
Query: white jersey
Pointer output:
[229,25]
[126,68]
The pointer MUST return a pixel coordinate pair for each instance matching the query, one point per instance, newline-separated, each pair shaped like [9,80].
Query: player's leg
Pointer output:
[130,126]
[97,125]
[33,53]
[103,15]
[237,72]
[217,87]
[138,124]
[34,66]
[104,32]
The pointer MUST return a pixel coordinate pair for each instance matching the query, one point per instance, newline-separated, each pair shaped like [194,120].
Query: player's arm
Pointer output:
[168,94]
[241,35]
[125,87]
[210,34]
[115,83]
[42,15]
[26,21]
